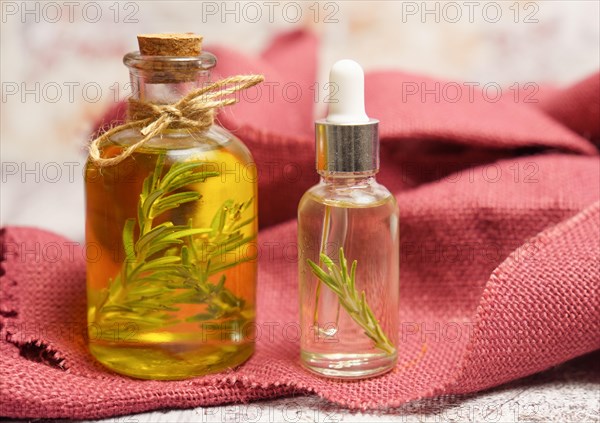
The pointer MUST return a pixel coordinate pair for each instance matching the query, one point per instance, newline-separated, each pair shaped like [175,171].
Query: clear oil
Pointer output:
[360,216]
[161,338]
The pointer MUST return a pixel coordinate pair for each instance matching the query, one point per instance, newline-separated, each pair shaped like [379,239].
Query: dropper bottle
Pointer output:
[348,243]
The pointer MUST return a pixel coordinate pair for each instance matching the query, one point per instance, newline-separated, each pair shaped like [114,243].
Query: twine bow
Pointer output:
[194,111]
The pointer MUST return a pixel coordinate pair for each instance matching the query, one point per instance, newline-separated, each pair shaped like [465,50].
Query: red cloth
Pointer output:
[500,239]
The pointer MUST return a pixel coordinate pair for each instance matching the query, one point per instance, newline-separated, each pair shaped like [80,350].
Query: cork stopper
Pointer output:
[169,58]
[187,44]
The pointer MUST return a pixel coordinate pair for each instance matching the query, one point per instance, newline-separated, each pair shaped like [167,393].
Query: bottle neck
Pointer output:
[348,178]
[166,79]
[146,87]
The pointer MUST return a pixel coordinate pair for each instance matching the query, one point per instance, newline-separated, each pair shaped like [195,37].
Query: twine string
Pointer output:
[196,111]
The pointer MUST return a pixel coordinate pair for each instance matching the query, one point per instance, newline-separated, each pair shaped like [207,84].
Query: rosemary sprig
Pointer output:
[167,264]
[343,284]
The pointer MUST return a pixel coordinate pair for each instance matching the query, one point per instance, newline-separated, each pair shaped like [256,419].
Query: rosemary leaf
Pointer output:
[153,179]
[218,222]
[178,172]
[128,243]
[149,202]
[173,201]
[185,232]
[153,235]
[154,265]
[195,178]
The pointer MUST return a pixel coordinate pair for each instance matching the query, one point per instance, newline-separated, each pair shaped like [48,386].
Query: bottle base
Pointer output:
[348,366]
[172,361]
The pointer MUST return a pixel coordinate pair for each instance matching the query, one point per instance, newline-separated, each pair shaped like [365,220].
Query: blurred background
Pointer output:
[61,66]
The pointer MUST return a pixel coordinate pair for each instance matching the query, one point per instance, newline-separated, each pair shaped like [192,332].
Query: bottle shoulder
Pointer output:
[371,194]
[181,145]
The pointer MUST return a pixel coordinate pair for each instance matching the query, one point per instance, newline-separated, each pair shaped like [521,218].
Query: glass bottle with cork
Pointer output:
[171,294]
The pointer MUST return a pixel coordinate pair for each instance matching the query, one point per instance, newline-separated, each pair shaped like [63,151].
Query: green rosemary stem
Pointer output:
[343,284]
[324,239]
[162,268]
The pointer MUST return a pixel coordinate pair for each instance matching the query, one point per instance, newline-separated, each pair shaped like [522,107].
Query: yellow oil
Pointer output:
[130,330]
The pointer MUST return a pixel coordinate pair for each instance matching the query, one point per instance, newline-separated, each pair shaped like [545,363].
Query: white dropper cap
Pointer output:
[347,140]
[347,93]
